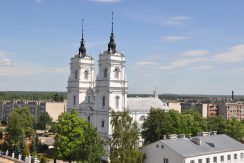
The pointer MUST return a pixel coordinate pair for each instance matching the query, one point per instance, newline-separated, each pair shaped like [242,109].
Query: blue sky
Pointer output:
[185,47]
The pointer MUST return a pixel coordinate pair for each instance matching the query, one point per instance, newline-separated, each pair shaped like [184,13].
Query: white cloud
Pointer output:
[174,38]
[144,63]
[57,69]
[235,54]
[202,68]
[6,62]
[178,20]
[237,70]
[182,63]
[107,1]
[195,53]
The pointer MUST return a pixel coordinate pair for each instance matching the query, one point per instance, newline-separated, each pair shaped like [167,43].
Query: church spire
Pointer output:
[112,44]
[82,49]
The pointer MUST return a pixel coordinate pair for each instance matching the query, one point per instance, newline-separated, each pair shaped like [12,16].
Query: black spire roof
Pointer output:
[112,44]
[82,49]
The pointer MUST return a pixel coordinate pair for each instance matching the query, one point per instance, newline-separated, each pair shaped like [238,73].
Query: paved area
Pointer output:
[3,160]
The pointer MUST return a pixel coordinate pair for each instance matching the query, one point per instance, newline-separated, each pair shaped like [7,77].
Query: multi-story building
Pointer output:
[200,149]
[54,109]
[232,110]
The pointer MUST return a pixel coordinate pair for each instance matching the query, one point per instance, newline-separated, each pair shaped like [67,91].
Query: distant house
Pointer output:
[200,149]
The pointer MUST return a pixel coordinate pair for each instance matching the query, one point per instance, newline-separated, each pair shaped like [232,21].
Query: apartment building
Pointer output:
[232,110]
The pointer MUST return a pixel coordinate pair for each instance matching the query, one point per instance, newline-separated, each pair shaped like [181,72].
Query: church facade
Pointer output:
[93,97]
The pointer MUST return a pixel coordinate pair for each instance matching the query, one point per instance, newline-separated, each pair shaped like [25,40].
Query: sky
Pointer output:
[175,46]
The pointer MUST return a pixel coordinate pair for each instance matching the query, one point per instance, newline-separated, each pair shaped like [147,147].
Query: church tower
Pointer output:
[111,85]
[80,89]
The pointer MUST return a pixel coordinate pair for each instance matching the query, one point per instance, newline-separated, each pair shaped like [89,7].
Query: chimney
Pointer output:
[164,137]
[173,136]
[182,136]
[214,132]
[232,97]
[197,140]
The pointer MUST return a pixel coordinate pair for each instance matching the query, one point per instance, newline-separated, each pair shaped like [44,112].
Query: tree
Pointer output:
[44,121]
[160,123]
[26,151]
[125,139]
[76,139]
[235,129]
[20,124]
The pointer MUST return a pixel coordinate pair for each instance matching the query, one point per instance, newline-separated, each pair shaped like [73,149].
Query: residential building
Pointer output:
[232,110]
[200,149]
[54,109]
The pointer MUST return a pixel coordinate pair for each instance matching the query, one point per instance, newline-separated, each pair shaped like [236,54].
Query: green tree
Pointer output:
[125,139]
[76,139]
[235,129]
[20,124]
[217,123]
[160,123]
[44,121]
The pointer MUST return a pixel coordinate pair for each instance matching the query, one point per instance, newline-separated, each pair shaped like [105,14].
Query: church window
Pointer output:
[102,123]
[105,73]
[86,74]
[88,99]
[76,74]
[142,118]
[103,101]
[117,102]
[116,73]
[74,100]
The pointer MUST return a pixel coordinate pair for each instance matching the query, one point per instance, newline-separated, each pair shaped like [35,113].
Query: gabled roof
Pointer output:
[210,144]
[145,104]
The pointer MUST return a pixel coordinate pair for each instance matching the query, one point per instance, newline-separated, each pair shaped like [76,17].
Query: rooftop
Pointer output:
[145,103]
[210,144]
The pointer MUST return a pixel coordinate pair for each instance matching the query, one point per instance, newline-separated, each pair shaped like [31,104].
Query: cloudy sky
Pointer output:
[185,47]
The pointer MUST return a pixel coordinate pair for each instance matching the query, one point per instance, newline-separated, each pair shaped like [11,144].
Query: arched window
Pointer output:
[117,102]
[76,74]
[105,73]
[86,74]
[88,99]
[102,123]
[103,101]
[74,100]
[116,73]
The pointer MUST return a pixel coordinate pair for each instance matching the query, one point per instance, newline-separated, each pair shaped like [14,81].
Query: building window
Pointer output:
[105,73]
[88,99]
[228,158]
[192,161]
[74,100]
[76,74]
[117,102]
[103,101]
[116,73]
[86,74]
[166,160]
[222,158]
[89,119]
[242,156]
[215,159]
[199,160]
[235,156]
[207,160]
[102,123]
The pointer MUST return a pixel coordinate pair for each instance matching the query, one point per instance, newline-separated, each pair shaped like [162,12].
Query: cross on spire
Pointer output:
[82,49]
[112,44]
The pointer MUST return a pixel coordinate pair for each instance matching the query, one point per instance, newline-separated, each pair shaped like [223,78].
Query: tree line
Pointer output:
[190,123]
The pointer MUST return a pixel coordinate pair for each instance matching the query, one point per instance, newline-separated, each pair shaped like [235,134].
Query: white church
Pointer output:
[93,97]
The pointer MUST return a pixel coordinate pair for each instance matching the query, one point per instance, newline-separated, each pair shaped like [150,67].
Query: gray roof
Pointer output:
[145,103]
[187,148]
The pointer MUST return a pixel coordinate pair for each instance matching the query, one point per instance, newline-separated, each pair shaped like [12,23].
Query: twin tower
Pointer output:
[92,98]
